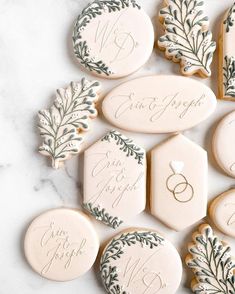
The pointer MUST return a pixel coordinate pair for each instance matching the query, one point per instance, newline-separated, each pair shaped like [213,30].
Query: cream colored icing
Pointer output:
[224,144]
[179,171]
[222,211]
[159,104]
[61,244]
[227,56]
[187,37]
[108,41]
[114,179]
[143,263]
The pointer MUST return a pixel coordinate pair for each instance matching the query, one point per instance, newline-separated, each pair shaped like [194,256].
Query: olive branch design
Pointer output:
[101,215]
[126,145]
[211,263]
[229,76]
[60,125]
[187,39]
[114,250]
[81,48]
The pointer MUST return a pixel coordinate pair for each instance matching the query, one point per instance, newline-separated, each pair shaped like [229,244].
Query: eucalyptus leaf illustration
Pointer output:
[187,39]
[126,145]
[229,21]
[229,76]
[102,215]
[60,125]
[212,264]
[114,250]
[81,47]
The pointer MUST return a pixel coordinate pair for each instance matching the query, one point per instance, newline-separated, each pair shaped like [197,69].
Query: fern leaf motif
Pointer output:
[211,263]
[60,125]
[187,39]
[126,145]
[81,47]
[115,249]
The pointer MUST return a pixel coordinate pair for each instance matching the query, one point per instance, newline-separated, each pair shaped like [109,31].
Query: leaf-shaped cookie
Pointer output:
[211,263]
[187,39]
[60,126]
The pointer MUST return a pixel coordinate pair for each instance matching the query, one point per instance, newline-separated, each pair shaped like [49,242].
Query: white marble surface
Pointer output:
[36,58]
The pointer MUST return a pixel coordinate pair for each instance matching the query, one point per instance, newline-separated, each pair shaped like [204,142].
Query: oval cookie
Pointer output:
[159,104]
[61,244]
[222,212]
[107,40]
[224,144]
[140,261]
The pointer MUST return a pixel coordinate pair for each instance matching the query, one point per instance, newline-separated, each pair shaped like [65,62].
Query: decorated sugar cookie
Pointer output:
[187,39]
[113,38]
[114,179]
[149,105]
[140,261]
[212,263]
[61,125]
[222,212]
[227,56]
[178,183]
[224,144]
[61,244]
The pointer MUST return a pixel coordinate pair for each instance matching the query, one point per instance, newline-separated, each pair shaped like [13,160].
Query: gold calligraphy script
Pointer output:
[157,107]
[56,243]
[112,178]
[138,272]
[111,37]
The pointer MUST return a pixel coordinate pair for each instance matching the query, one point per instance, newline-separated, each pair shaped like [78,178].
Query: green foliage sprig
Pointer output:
[229,76]
[114,250]
[211,263]
[101,215]
[229,21]
[81,48]
[60,125]
[126,145]
[187,39]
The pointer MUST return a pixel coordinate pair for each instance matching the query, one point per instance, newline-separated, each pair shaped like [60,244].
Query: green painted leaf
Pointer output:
[126,145]
[101,215]
[81,48]
[114,250]
[229,21]
[229,76]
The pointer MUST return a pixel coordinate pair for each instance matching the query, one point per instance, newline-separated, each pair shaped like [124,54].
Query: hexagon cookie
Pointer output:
[179,182]
[114,179]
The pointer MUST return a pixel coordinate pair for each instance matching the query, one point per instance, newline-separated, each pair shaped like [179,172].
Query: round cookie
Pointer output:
[61,244]
[224,144]
[140,261]
[222,212]
[107,40]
